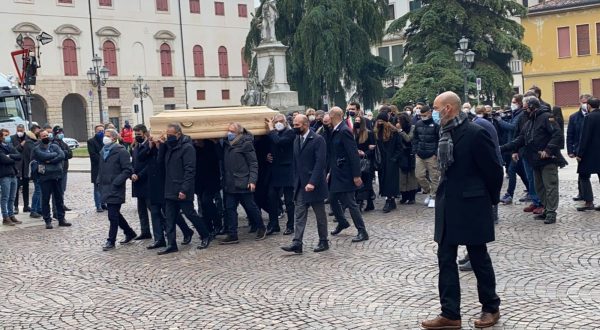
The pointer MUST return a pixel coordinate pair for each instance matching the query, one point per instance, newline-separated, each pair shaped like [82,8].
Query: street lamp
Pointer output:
[98,76]
[466,57]
[140,90]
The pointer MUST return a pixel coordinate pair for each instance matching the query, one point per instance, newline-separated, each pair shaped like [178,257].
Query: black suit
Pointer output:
[281,179]
[309,168]
[140,157]
[463,216]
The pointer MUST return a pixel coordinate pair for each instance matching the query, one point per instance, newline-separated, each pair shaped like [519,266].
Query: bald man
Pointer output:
[471,179]
[344,176]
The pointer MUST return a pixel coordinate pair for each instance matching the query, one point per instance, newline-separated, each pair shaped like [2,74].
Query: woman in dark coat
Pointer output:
[365,140]
[408,181]
[113,172]
[588,155]
[390,147]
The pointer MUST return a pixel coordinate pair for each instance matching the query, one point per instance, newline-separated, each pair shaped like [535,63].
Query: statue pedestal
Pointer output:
[283,101]
[272,72]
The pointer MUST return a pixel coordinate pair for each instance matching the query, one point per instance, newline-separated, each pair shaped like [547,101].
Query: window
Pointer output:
[391,13]
[105,3]
[219,8]
[583,39]
[242,10]
[70,57]
[225,94]
[200,95]
[245,67]
[223,63]
[28,43]
[168,92]
[564,42]
[162,5]
[566,93]
[384,52]
[397,55]
[596,86]
[65,1]
[113,93]
[195,6]
[169,106]
[110,57]
[166,68]
[198,61]
[598,38]
[416,4]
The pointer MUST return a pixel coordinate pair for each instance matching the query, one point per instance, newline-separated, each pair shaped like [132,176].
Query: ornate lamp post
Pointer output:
[466,57]
[140,90]
[98,76]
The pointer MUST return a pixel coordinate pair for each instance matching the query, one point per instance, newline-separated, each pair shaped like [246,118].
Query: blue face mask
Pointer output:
[172,140]
[60,136]
[230,136]
[436,116]
[100,135]
[51,136]
[7,139]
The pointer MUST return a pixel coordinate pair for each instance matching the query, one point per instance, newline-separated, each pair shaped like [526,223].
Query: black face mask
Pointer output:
[298,130]
[45,140]
[139,139]
[380,126]
[356,125]
[351,113]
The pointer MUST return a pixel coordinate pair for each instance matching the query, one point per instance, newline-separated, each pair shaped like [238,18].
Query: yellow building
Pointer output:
[564,36]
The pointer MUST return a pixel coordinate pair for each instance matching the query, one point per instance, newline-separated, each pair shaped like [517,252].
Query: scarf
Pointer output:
[446,145]
[106,150]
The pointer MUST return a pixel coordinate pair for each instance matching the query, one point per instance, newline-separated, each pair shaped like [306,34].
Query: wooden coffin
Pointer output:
[212,123]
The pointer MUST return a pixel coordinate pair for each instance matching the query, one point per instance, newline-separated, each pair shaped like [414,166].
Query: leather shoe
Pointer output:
[187,239]
[108,246]
[288,231]
[323,246]
[339,229]
[271,231]
[540,216]
[362,236]
[261,234]
[550,219]
[577,199]
[441,322]
[66,208]
[128,238]
[295,247]
[487,320]
[48,225]
[585,208]
[63,223]
[167,251]
[204,243]
[142,236]
[156,245]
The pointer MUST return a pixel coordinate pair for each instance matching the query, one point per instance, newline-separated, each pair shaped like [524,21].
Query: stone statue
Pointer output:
[269,16]
[253,95]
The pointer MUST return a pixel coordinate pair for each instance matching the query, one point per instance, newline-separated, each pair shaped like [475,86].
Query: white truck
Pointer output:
[12,104]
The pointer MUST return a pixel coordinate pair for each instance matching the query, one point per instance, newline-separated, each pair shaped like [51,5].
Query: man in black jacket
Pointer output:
[140,155]
[424,144]
[9,156]
[281,140]
[208,183]
[344,176]
[59,135]
[310,184]
[21,143]
[94,145]
[471,181]
[179,161]
[574,130]
[587,155]
[542,139]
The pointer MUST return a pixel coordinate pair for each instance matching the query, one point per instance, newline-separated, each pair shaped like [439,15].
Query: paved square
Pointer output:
[548,275]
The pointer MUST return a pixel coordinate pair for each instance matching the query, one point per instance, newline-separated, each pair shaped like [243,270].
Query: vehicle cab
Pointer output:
[12,107]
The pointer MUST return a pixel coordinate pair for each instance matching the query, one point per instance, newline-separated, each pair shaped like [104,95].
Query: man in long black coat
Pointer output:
[470,186]
[344,176]
[588,155]
[94,145]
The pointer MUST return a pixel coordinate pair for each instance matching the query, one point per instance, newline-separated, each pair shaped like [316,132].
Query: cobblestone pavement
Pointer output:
[548,275]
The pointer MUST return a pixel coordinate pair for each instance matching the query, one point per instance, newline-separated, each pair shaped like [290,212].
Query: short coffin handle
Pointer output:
[187,124]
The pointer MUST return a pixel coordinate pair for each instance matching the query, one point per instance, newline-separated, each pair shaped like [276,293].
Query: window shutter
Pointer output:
[198,61]
[223,63]
[165,60]
[583,39]
[566,93]
[564,42]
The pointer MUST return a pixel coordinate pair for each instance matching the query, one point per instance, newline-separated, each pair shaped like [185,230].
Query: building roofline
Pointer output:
[546,9]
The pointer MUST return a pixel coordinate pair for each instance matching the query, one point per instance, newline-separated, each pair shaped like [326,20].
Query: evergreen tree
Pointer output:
[329,47]
[432,33]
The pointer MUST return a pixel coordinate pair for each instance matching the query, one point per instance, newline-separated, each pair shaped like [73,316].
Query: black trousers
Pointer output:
[275,203]
[117,221]
[206,199]
[52,188]
[143,206]
[172,208]
[339,201]
[586,187]
[449,284]
[22,185]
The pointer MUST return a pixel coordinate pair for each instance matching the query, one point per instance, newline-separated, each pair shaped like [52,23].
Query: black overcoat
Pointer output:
[589,145]
[282,151]
[140,156]
[94,146]
[180,169]
[310,163]
[389,170]
[345,162]
[113,173]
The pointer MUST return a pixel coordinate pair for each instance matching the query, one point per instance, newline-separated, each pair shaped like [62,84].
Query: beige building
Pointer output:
[189,52]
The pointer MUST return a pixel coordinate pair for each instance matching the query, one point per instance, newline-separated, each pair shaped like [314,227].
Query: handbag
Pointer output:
[377,164]
[365,165]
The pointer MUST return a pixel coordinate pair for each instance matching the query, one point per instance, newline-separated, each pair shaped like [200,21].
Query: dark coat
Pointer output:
[22,165]
[180,169]
[156,176]
[589,147]
[208,170]
[345,163]
[52,158]
[140,157]
[113,173]
[366,191]
[262,148]
[325,133]
[426,138]
[68,153]
[491,129]
[239,164]
[389,170]
[94,146]
[469,189]
[510,128]
[309,166]
[574,131]
[9,158]
[282,150]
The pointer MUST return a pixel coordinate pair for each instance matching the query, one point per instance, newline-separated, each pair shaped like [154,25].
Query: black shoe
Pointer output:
[362,236]
[271,231]
[330,214]
[49,225]
[252,230]
[578,198]
[550,219]
[585,208]
[220,232]
[63,223]
[26,209]
[393,204]
[204,243]
[229,240]
[16,210]
[597,208]
[464,260]
[288,231]
[387,207]
[323,246]
[410,202]
[540,216]
[35,215]
[187,239]
[261,234]
[466,267]
[128,238]
[339,229]
[370,206]
[167,251]
[100,210]
[156,245]
[142,236]
[104,207]
[66,208]
[295,247]
[108,246]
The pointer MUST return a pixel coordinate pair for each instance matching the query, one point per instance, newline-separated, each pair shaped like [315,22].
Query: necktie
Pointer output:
[301,141]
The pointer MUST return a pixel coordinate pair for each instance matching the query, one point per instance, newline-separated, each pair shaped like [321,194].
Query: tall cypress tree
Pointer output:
[432,33]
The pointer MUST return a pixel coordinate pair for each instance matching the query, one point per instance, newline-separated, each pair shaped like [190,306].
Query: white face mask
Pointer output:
[584,106]
[279,126]
[514,106]
[311,118]
[106,140]
[480,115]
[20,134]
[473,111]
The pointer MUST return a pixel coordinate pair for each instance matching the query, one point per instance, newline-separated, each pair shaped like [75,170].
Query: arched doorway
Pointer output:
[39,108]
[74,117]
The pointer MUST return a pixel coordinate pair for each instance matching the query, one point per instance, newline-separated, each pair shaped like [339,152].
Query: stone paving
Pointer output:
[548,275]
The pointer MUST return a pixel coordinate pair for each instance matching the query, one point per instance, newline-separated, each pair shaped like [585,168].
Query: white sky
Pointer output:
[256,3]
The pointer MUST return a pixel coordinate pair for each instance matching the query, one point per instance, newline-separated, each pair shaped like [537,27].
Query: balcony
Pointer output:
[516,66]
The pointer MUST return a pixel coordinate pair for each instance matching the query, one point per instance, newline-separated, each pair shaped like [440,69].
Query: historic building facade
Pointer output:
[189,52]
